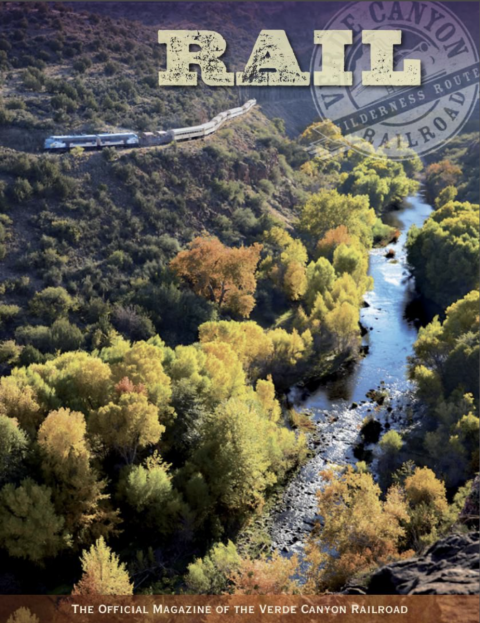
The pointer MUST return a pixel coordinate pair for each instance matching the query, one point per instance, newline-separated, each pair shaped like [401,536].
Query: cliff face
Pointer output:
[449,567]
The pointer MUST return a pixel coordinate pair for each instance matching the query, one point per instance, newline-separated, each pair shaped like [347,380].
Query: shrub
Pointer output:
[52,303]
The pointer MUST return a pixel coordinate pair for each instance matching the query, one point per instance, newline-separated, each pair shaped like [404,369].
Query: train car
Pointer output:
[200,131]
[183,134]
[91,141]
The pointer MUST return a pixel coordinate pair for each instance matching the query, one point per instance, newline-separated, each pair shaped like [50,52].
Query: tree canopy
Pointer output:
[223,275]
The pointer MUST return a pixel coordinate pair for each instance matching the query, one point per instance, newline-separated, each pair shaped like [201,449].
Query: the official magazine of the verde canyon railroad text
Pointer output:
[239,312]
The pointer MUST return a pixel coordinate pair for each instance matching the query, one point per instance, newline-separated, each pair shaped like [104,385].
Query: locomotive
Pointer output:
[91,141]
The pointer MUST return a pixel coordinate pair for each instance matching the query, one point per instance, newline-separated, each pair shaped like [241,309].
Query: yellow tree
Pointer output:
[103,573]
[321,132]
[285,263]
[329,209]
[342,322]
[66,465]
[18,400]
[265,390]
[129,424]
[224,275]
[248,340]
[428,506]
[142,363]
[360,531]
[234,455]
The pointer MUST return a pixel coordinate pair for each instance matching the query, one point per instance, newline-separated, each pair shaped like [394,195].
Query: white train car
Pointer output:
[200,131]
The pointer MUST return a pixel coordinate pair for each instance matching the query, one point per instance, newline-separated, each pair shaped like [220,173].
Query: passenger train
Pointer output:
[130,139]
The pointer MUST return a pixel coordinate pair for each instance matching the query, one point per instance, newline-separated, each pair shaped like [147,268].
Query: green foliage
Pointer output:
[458,167]
[391,442]
[62,336]
[148,490]
[446,372]
[328,209]
[13,449]
[447,353]
[128,425]
[8,313]
[210,575]
[10,352]
[29,525]
[445,252]
[52,303]
[321,276]
[187,439]
[234,459]
[21,190]
[383,181]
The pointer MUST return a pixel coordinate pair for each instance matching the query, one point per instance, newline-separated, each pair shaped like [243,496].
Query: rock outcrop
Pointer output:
[449,567]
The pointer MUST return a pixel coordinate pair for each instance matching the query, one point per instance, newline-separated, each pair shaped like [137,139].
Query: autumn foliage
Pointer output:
[103,573]
[265,577]
[221,274]
[363,529]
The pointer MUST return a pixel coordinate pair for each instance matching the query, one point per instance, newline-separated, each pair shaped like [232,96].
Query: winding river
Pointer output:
[339,406]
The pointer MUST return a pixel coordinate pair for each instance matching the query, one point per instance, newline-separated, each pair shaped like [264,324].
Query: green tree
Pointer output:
[446,354]
[320,276]
[209,575]
[382,180]
[445,252]
[234,457]
[29,525]
[428,506]
[148,490]
[13,448]
[22,190]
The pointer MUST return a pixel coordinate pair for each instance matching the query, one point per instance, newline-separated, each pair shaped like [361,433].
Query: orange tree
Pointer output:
[224,275]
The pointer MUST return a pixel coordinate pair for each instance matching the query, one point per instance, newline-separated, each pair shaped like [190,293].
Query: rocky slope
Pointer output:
[449,567]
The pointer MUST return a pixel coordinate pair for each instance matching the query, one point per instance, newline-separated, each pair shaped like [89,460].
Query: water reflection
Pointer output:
[391,318]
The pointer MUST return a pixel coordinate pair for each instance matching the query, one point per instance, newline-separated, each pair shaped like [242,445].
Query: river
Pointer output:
[340,405]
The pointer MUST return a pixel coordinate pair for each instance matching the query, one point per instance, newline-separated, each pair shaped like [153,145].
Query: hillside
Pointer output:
[65,72]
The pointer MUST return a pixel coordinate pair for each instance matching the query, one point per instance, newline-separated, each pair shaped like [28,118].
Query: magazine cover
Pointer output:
[239,312]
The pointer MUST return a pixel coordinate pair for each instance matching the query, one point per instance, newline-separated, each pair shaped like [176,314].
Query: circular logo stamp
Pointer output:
[422,118]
